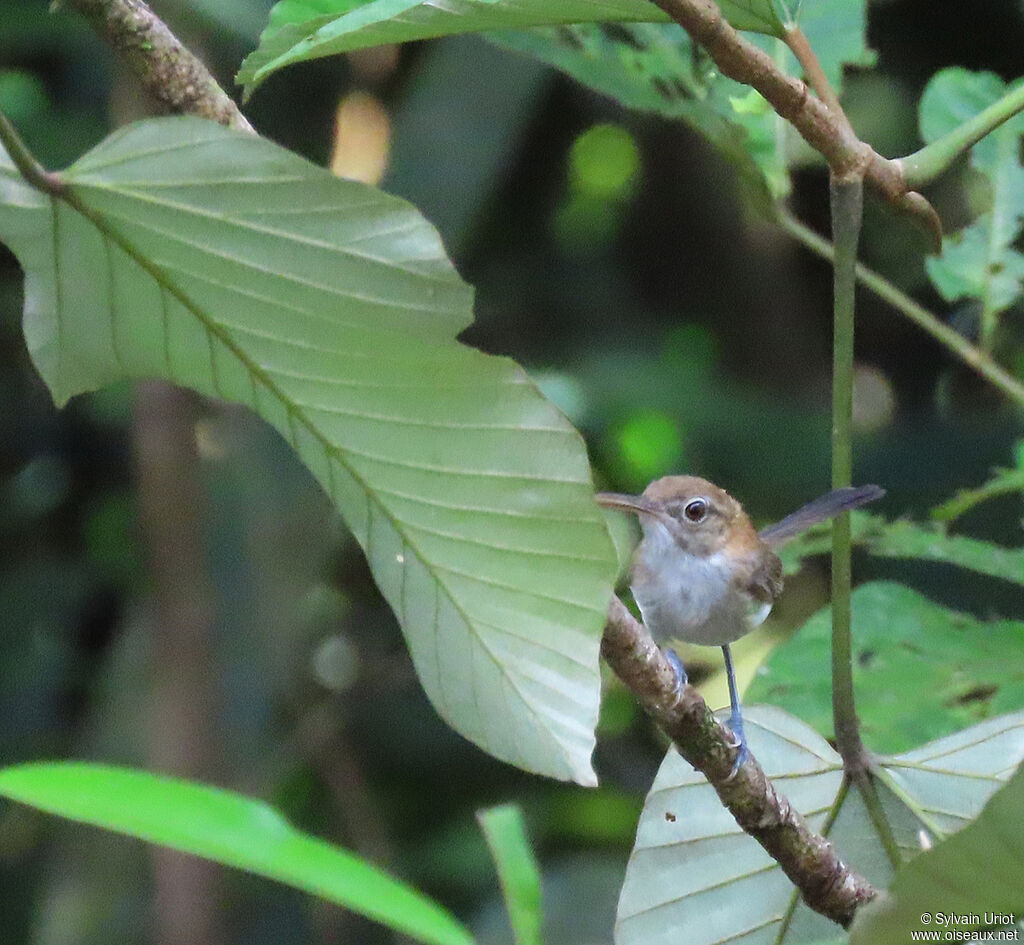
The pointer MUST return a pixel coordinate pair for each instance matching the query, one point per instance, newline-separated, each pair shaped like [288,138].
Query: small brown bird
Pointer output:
[702,574]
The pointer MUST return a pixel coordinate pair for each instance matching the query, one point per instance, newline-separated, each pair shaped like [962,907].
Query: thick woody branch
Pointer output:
[810,861]
[170,74]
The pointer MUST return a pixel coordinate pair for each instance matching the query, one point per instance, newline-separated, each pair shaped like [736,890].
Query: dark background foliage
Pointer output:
[676,328]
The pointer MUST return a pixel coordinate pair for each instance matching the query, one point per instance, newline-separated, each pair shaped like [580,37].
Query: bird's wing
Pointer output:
[765,581]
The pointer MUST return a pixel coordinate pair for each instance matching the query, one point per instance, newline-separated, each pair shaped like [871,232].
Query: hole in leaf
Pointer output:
[979,693]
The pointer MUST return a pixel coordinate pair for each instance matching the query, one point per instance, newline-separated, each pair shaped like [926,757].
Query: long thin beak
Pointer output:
[627,503]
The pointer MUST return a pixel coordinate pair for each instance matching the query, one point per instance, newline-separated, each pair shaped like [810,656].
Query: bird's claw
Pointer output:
[677,667]
[738,741]
[735,730]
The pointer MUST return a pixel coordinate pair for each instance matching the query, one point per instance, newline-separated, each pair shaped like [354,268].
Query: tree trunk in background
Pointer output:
[181,726]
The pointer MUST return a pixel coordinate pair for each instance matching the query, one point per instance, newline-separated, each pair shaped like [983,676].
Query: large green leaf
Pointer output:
[221,262]
[309,29]
[230,829]
[694,877]
[980,260]
[921,670]
[968,882]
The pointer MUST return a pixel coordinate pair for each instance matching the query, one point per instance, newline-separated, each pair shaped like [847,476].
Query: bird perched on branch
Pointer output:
[702,574]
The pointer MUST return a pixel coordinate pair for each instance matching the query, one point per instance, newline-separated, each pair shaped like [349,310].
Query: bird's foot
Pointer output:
[677,667]
[739,741]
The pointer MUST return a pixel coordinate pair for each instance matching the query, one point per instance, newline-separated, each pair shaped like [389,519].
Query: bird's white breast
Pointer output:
[690,597]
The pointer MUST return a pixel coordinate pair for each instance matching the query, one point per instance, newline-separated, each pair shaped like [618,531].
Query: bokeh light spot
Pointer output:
[604,162]
[651,445]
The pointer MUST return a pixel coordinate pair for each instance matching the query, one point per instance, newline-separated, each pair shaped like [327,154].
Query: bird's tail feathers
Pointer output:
[820,510]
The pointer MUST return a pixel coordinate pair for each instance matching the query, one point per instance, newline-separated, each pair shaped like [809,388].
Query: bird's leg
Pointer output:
[677,666]
[736,715]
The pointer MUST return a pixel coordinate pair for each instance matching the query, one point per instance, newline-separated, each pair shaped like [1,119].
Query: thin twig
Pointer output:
[825,128]
[796,40]
[1003,482]
[810,861]
[952,340]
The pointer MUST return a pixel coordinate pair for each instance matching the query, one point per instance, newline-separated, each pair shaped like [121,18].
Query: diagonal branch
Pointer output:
[828,133]
[810,861]
[972,356]
[172,75]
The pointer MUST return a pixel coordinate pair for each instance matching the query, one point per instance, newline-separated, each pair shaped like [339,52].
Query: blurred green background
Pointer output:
[614,256]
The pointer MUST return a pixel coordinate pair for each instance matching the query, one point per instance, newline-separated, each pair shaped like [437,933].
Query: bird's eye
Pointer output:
[696,511]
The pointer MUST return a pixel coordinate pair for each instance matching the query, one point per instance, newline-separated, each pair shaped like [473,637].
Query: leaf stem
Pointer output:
[953,341]
[25,161]
[847,199]
[924,166]
[873,804]
[1002,224]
